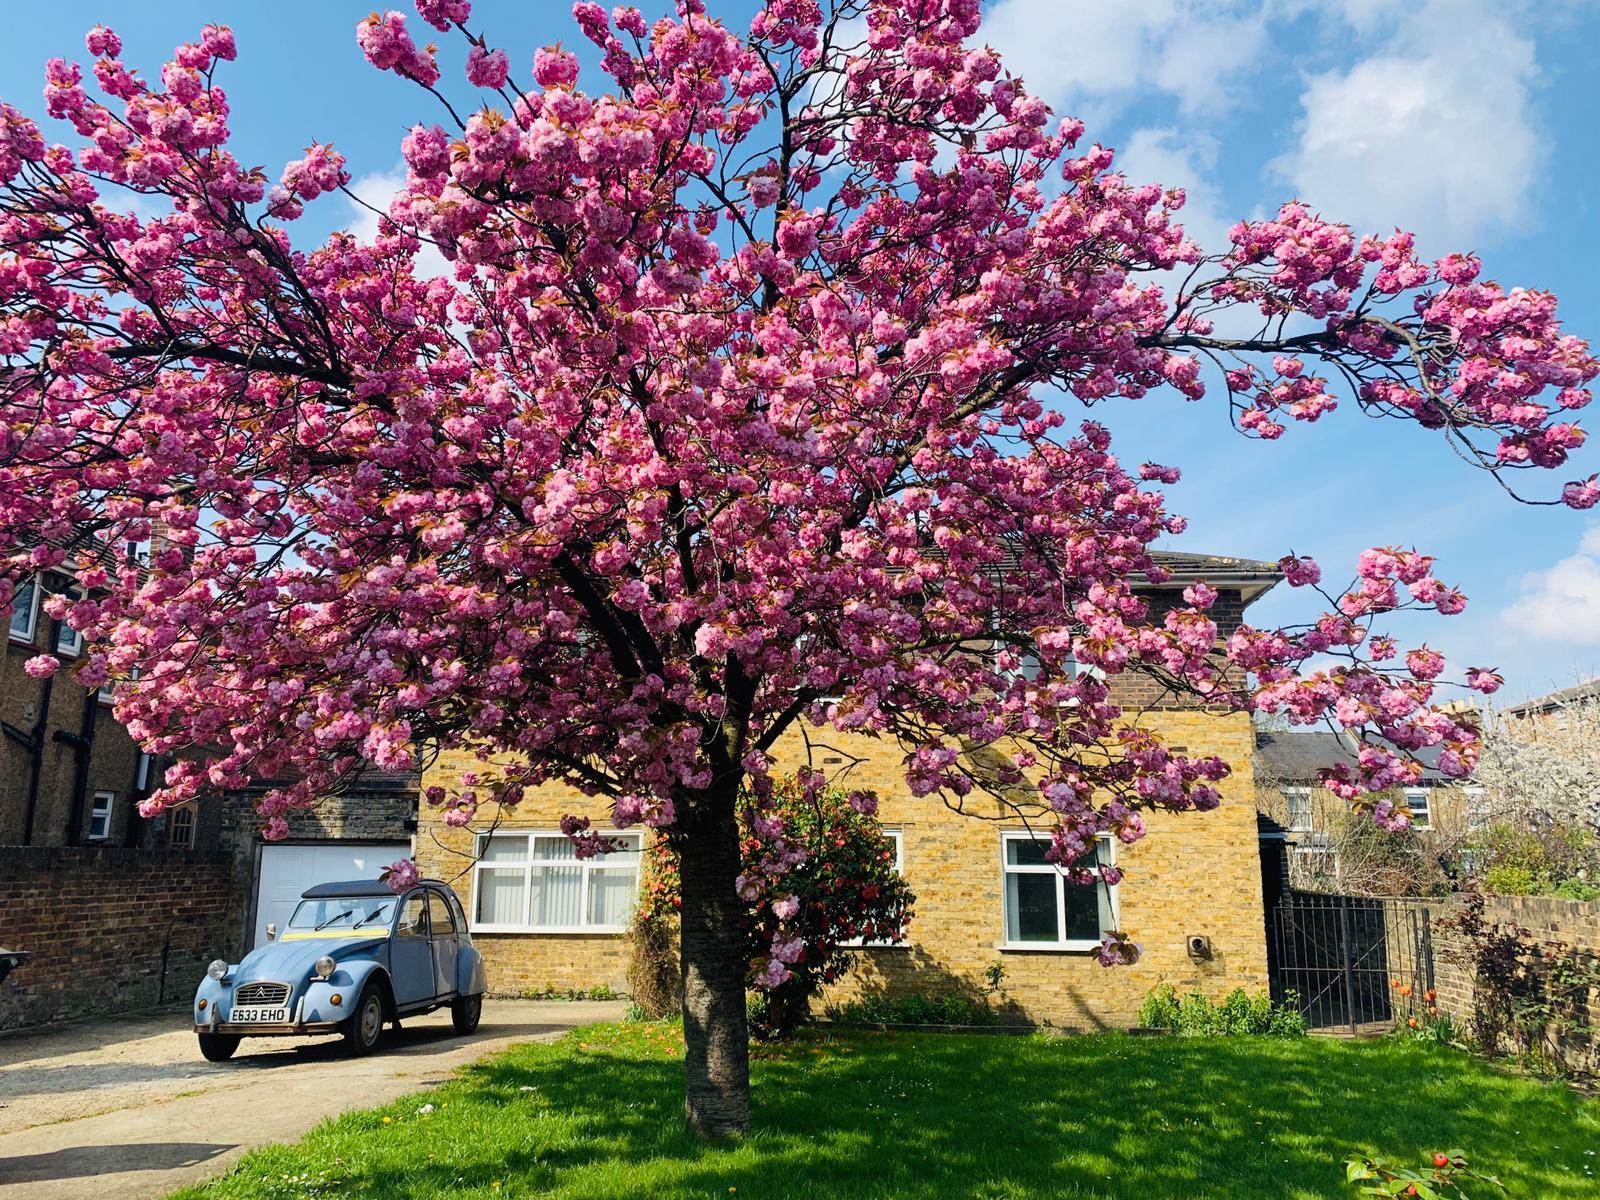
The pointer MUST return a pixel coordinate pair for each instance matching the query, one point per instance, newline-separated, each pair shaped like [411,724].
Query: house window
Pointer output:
[1029,668]
[1417,802]
[25,609]
[1479,811]
[100,816]
[536,883]
[1045,912]
[68,640]
[180,828]
[1299,802]
[897,844]
[108,690]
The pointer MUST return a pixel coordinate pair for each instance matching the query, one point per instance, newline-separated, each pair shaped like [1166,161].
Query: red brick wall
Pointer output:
[1573,924]
[95,920]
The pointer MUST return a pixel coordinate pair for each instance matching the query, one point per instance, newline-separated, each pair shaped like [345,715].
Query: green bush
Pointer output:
[1542,858]
[950,1009]
[1160,1008]
[1514,879]
[1239,1014]
[1576,889]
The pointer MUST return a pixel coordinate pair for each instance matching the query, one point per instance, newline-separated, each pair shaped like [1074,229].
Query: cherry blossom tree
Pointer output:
[745,402]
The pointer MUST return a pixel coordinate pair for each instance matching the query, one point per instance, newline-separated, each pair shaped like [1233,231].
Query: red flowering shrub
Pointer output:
[842,886]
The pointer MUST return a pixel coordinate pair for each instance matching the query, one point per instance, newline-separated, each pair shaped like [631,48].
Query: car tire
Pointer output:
[218,1047]
[364,1028]
[465,1012]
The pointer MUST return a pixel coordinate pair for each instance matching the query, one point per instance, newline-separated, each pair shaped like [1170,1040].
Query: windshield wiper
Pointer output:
[374,913]
[341,916]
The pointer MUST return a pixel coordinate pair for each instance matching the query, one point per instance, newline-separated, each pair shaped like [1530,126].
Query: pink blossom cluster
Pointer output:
[1469,355]
[387,44]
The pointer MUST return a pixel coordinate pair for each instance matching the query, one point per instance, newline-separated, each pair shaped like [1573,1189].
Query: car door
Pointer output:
[446,944]
[411,952]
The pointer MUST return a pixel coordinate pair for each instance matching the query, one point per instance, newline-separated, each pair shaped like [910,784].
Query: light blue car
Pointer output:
[353,956]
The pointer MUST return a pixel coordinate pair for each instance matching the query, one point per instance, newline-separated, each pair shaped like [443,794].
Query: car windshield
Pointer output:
[343,912]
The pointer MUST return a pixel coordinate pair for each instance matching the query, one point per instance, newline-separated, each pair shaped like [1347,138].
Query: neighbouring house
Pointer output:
[1191,897]
[1326,845]
[69,774]
[1554,704]
[112,908]
[118,911]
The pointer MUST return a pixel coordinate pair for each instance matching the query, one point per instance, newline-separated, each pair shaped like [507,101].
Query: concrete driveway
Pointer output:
[130,1108]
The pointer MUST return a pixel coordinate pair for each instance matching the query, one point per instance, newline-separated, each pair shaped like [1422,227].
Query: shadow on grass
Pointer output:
[599,1115]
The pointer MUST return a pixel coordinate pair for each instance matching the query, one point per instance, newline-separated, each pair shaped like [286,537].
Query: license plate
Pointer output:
[250,1015]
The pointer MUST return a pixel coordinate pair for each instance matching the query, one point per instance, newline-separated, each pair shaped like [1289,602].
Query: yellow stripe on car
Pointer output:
[309,934]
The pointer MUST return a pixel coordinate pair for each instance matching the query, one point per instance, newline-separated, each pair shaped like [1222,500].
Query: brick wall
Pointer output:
[1572,922]
[95,921]
[1193,874]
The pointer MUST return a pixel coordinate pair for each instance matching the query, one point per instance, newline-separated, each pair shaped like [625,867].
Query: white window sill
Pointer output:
[562,930]
[857,945]
[1083,947]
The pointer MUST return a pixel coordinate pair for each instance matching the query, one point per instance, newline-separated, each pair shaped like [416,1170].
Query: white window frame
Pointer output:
[102,809]
[68,640]
[1292,794]
[529,863]
[1108,858]
[898,838]
[33,610]
[107,693]
[1424,795]
[183,810]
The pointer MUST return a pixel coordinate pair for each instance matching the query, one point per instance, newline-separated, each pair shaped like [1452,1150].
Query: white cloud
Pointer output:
[1433,133]
[378,190]
[1078,53]
[1562,604]
[1177,159]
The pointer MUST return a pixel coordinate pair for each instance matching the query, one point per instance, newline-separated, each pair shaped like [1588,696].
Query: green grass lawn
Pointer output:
[598,1114]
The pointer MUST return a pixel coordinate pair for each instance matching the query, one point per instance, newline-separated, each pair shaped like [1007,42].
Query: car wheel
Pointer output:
[465,1011]
[365,1026]
[218,1047]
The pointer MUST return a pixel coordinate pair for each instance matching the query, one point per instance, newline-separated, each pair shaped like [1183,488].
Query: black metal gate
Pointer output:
[1354,963]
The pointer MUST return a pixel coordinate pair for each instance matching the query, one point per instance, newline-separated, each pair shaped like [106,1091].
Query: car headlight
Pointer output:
[325,966]
[217,969]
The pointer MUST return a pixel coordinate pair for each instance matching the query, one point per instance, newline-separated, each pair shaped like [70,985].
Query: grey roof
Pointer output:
[360,887]
[1298,757]
[1576,694]
[1253,577]
[348,887]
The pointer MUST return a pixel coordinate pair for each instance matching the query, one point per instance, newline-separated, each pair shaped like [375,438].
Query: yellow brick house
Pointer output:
[1191,896]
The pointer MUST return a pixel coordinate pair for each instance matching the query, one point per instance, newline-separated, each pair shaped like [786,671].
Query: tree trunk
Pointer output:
[716,1035]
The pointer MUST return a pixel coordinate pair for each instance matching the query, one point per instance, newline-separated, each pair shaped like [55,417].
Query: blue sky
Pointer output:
[1469,121]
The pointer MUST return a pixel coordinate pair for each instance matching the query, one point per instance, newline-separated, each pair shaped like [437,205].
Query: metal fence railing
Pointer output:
[1354,963]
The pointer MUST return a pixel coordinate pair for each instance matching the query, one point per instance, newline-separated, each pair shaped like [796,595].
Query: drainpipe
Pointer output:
[82,744]
[33,742]
[139,787]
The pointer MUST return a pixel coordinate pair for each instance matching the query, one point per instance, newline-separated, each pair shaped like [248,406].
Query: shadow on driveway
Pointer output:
[411,1041]
[76,1162]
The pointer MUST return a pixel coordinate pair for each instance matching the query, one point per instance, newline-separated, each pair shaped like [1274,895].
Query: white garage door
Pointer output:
[287,871]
